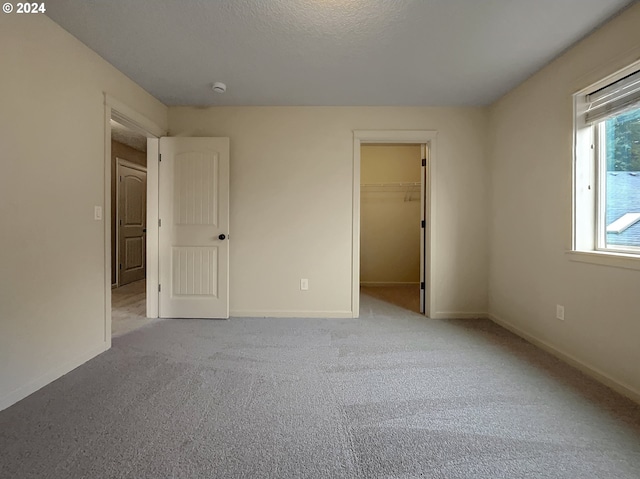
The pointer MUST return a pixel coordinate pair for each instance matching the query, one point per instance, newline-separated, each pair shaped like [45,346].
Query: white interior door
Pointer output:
[423,230]
[131,221]
[194,227]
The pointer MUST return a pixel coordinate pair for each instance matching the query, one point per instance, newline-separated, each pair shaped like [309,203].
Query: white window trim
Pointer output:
[606,258]
[587,201]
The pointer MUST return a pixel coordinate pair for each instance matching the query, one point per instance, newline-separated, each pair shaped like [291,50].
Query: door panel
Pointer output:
[132,207]
[194,212]
[194,271]
[196,179]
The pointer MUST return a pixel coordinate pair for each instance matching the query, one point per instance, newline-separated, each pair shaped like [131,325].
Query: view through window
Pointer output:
[620,190]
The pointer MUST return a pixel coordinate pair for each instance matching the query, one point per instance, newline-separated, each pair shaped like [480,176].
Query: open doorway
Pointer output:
[143,302]
[128,228]
[391,228]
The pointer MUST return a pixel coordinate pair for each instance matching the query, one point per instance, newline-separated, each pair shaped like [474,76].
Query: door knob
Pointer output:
[221,237]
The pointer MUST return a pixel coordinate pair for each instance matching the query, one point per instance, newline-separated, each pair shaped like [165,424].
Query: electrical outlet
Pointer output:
[97,213]
[560,312]
[304,284]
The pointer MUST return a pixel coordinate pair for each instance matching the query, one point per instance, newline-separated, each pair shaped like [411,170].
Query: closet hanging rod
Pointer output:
[391,185]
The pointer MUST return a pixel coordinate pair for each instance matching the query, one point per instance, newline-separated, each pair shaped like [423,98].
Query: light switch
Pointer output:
[97,213]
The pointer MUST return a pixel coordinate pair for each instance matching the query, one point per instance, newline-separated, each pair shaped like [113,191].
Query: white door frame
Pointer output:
[363,137]
[133,120]
[129,164]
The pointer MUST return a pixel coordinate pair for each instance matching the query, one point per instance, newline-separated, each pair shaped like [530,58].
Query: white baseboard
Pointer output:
[589,370]
[457,315]
[292,314]
[387,283]
[50,376]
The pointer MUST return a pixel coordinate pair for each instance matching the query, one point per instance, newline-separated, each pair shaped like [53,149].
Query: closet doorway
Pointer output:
[392,214]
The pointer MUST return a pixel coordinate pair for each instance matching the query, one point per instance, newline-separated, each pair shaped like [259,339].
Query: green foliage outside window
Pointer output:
[623,142]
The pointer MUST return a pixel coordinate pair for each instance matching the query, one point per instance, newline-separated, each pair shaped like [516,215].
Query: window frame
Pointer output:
[588,242]
[600,166]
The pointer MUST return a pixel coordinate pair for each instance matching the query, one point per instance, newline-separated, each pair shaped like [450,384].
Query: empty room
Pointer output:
[320,239]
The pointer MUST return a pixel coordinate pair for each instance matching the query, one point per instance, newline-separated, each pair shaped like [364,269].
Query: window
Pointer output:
[607,166]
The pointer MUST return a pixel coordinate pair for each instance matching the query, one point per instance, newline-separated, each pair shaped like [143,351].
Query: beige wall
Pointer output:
[390,217]
[291,202]
[124,152]
[52,132]
[530,153]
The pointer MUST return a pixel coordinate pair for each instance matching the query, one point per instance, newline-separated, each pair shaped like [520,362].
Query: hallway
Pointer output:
[129,308]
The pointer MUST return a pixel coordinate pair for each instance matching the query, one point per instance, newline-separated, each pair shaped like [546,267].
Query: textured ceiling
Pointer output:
[124,135]
[330,52]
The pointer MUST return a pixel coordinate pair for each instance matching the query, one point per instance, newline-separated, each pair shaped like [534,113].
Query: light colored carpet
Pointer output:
[392,395]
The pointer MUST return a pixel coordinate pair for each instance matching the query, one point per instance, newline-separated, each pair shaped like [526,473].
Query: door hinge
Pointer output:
[422,285]
[423,224]
[120,178]
[159,223]
[120,265]
[159,157]
[120,222]
[159,288]
[424,162]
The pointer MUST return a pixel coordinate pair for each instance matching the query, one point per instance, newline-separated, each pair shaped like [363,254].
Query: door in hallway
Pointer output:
[132,219]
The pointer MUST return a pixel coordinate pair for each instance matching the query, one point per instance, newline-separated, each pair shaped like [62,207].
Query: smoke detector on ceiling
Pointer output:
[219,87]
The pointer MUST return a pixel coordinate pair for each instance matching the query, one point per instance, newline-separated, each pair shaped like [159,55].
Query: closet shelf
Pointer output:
[409,189]
[391,185]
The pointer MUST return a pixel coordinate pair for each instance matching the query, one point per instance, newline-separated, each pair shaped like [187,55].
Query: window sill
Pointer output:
[616,260]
